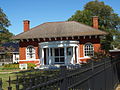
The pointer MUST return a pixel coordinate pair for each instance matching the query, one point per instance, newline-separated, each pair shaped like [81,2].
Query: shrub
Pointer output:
[31,65]
[10,66]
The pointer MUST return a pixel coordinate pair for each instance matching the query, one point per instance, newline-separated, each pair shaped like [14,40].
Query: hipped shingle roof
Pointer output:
[59,29]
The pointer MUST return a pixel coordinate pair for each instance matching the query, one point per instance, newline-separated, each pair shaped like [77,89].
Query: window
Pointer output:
[88,49]
[69,51]
[30,52]
[59,55]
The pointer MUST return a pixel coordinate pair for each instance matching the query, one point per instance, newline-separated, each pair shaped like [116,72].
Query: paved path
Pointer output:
[118,87]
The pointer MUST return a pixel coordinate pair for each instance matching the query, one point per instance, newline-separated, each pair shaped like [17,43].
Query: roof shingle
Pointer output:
[59,29]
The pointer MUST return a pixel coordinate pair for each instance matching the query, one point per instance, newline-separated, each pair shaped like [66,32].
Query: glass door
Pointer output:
[59,55]
[69,54]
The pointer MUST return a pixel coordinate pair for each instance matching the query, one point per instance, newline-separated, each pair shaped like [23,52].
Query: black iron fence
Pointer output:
[96,75]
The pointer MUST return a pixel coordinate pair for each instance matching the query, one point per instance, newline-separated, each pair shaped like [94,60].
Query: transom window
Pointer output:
[88,49]
[30,52]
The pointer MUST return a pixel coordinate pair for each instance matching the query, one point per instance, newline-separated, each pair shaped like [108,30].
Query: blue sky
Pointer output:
[40,11]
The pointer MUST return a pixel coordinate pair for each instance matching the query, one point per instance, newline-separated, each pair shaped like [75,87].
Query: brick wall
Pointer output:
[82,41]
[22,50]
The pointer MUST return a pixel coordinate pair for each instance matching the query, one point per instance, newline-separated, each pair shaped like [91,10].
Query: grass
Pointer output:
[4,74]
[5,78]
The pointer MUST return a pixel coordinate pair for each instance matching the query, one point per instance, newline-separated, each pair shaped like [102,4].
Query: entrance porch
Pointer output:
[59,52]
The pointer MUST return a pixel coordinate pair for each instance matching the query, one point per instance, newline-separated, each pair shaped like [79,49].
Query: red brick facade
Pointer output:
[83,40]
[22,50]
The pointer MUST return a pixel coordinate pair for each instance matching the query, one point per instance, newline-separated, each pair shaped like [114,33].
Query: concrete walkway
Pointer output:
[118,87]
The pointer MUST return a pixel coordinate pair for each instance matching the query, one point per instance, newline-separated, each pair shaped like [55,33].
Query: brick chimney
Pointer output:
[26,25]
[95,22]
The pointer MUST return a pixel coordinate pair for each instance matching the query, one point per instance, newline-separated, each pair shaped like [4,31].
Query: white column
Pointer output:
[47,58]
[53,56]
[13,57]
[77,54]
[42,58]
[65,55]
[73,55]
[50,61]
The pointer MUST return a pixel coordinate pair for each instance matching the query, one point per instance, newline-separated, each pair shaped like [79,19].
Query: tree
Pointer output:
[108,21]
[4,24]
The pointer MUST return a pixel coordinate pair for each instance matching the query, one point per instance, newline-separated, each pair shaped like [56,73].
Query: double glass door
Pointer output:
[59,56]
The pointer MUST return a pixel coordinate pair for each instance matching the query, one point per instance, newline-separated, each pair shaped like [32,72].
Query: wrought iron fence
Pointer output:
[96,75]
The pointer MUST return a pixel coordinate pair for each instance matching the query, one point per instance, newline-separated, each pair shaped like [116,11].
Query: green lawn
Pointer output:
[4,74]
[5,78]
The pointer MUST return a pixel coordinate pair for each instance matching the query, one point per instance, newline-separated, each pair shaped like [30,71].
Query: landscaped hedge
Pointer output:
[31,65]
[10,66]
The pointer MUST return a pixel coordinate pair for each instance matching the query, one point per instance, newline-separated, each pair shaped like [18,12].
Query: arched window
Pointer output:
[30,52]
[88,49]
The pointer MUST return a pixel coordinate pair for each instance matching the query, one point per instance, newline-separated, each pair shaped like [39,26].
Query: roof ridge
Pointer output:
[64,22]
[50,22]
[40,25]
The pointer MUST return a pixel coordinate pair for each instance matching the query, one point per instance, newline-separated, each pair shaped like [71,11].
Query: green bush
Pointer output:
[10,66]
[31,65]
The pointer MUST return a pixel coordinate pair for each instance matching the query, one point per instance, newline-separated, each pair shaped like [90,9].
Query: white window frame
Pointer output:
[33,52]
[89,47]
[59,56]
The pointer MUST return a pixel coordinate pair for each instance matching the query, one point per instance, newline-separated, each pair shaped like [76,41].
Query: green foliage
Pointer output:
[10,66]
[31,65]
[82,16]
[108,20]
[4,24]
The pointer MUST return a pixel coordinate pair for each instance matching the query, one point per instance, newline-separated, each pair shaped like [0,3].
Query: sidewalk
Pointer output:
[118,87]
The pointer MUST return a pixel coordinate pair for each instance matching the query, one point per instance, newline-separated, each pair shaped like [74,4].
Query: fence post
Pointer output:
[17,82]
[9,87]
[0,83]
[63,85]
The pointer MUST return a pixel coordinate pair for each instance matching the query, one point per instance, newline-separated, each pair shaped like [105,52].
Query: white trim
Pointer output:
[21,40]
[38,39]
[84,49]
[54,44]
[44,39]
[55,38]
[117,50]
[30,60]
[27,40]
[83,37]
[84,58]
[33,40]
[90,37]
[50,39]
[96,36]
[26,52]
[67,38]
[61,38]
[72,37]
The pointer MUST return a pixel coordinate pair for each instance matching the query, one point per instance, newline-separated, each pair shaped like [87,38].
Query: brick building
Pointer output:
[51,43]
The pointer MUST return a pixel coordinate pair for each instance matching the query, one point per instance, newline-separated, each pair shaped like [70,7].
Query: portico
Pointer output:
[59,52]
